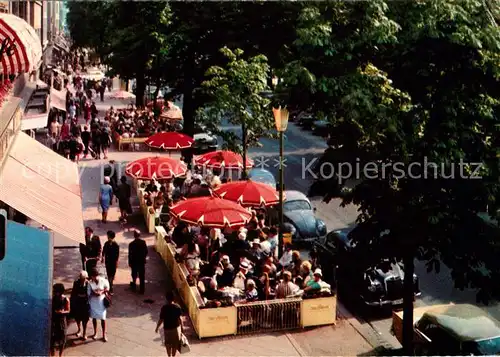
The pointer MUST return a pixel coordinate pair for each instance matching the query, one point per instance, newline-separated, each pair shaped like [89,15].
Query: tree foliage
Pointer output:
[405,83]
[235,92]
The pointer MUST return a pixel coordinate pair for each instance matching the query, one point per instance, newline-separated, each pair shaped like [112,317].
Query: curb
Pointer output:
[365,329]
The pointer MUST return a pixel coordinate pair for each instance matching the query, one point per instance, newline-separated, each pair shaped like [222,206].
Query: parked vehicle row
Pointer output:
[308,122]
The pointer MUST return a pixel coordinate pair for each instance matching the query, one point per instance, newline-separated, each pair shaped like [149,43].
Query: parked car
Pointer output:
[321,128]
[380,285]
[306,122]
[262,175]
[299,213]
[204,140]
[451,330]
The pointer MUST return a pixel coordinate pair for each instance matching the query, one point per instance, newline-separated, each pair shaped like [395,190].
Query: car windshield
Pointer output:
[296,205]
[489,347]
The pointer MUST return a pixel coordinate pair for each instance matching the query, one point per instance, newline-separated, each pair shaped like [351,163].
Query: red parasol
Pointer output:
[155,167]
[211,212]
[170,140]
[249,193]
[222,159]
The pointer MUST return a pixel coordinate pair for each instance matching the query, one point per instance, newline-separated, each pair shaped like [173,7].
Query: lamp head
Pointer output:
[274,81]
[281,118]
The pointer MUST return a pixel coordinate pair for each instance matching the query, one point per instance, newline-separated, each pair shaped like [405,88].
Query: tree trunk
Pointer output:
[244,145]
[188,100]
[408,298]
[140,89]
[157,91]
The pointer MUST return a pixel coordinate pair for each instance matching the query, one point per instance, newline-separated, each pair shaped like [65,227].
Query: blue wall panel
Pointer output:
[25,291]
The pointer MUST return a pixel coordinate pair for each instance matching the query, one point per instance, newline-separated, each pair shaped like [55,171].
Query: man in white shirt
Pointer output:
[286,258]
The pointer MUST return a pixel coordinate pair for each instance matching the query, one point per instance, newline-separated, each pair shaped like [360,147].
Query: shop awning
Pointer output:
[34,121]
[22,49]
[58,99]
[44,186]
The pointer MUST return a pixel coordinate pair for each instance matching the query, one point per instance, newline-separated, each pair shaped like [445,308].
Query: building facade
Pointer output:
[46,17]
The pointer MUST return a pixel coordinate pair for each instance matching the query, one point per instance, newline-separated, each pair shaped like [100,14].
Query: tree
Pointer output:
[198,31]
[137,47]
[236,94]
[89,24]
[401,84]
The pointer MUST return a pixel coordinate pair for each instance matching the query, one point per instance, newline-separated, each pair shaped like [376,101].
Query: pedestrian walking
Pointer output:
[86,112]
[105,141]
[86,140]
[93,111]
[60,309]
[98,289]
[85,248]
[137,253]
[80,303]
[170,318]
[124,192]
[102,89]
[94,253]
[96,141]
[105,198]
[110,255]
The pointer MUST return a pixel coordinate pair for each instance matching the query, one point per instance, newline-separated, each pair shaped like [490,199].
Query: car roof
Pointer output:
[464,321]
[291,195]
[343,235]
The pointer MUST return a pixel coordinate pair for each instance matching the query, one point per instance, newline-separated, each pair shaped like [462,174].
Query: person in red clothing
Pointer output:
[86,111]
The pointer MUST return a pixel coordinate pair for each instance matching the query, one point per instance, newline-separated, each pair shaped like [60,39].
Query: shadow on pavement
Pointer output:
[382,351]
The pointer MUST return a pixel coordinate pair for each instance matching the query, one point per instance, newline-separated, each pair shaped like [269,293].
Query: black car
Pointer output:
[380,285]
[306,122]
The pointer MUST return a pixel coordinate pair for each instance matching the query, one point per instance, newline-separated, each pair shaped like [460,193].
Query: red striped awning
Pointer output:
[20,46]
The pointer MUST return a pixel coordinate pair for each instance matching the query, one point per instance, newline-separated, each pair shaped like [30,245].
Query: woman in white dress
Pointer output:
[98,288]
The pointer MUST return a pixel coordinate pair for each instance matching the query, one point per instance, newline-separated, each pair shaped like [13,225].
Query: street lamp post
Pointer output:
[281,120]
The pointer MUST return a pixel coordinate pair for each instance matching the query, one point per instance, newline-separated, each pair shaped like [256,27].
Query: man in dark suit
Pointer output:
[137,253]
[110,255]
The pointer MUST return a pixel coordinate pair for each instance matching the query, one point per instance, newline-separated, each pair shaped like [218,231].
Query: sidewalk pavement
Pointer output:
[132,317]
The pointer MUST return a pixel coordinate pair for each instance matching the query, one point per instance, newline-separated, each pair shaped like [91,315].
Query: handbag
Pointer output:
[184,345]
[107,300]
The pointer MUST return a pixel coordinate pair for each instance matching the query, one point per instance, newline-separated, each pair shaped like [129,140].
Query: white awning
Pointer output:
[58,99]
[34,121]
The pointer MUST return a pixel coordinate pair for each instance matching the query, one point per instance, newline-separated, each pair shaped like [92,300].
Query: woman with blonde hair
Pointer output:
[80,303]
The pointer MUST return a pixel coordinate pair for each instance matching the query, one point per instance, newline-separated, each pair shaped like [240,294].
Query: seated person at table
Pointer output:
[190,253]
[256,252]
[306,272]
[269,262]
[316,284]
[251,293]
[241,276]
[208,288]
[226,276]
[286,288]
[180,236]
[296,263]
[285,260]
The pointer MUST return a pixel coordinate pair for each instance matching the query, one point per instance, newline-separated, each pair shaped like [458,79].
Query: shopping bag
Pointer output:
[184,347]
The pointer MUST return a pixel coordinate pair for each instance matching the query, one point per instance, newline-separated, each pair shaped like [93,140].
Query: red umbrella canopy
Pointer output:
[249,193]
[155,167]
[170,140]
[211,212]
[223,159]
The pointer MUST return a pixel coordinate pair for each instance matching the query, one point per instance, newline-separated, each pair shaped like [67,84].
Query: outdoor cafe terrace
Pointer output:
[221,248]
